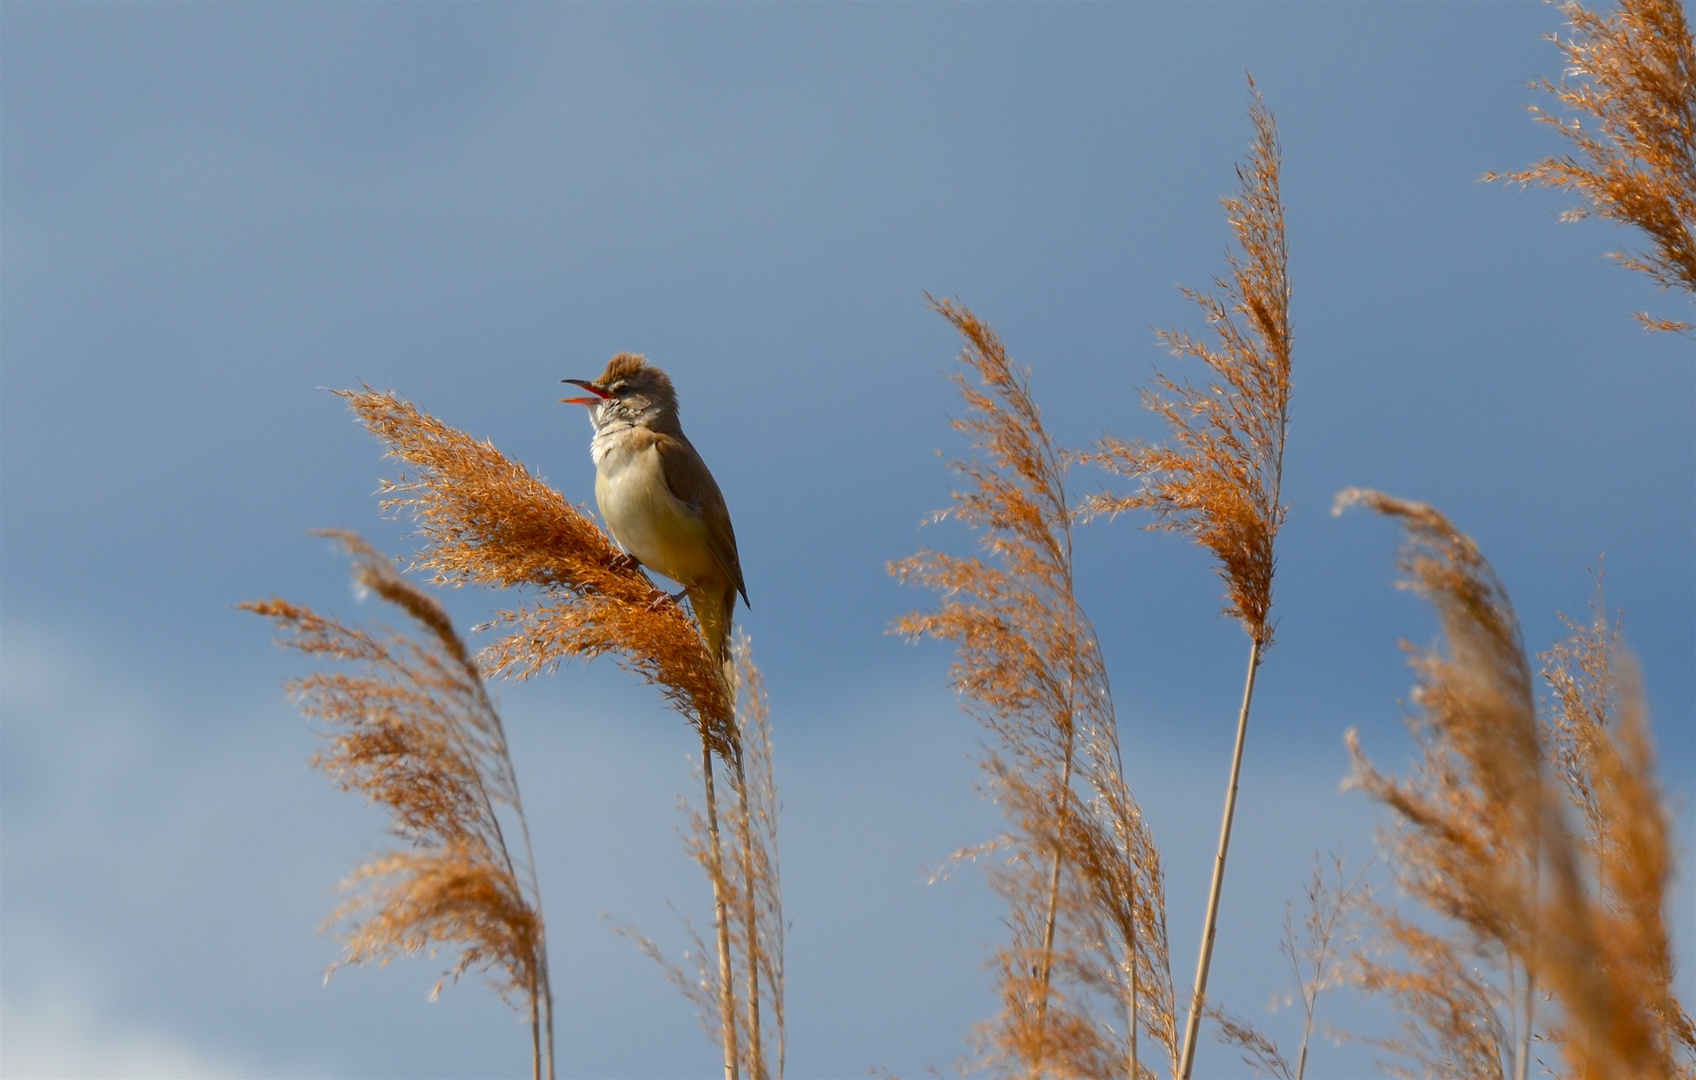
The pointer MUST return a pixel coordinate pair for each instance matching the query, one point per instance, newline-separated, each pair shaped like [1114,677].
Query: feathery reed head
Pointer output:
[1629,101]
[1482,840]
[412,727]
[1603,755]
[1473,810]
[485,520]
[1219,480]
[1078,866]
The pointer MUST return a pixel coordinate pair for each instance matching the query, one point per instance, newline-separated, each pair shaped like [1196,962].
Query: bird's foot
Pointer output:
[623,562]
[659,598]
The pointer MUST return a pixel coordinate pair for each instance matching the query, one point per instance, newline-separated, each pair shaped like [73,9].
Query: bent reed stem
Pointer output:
[1192,1026]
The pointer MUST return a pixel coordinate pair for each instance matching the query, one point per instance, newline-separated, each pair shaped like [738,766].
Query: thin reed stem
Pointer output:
[745,841]
[727,992]
[1131,955]
[1064,804]
[1192,1027]
[1522,1056]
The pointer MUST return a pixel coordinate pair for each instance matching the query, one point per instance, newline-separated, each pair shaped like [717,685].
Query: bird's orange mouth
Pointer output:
[600,395]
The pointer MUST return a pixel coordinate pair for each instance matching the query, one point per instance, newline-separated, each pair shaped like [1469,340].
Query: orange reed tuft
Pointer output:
[413,728]
[1629,96]
[1219,480]
[1600,750]
[1481,839]
[1077,866]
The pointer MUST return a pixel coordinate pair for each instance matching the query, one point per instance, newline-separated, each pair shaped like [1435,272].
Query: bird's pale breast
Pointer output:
[664,534]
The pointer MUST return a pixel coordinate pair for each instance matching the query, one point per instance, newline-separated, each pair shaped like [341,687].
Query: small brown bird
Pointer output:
[657,495]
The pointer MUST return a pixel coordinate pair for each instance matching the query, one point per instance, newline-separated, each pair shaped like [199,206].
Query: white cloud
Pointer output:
[60,1037]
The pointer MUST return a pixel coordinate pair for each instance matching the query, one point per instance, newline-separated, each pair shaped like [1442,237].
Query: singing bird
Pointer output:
[657,495]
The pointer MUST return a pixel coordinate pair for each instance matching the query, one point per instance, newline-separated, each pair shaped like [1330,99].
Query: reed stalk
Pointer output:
[1219,481]
[1198,999]
[721,920]
[750,923]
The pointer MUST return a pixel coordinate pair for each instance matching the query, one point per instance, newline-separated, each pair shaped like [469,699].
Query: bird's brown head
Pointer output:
[630,391]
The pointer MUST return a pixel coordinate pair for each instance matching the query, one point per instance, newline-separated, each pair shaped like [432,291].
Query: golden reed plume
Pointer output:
[413,728]
[485,520]
[1629,94]
[1219,480]
[1481,838]
[1078,866]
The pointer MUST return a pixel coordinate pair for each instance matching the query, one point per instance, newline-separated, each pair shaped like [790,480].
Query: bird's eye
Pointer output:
[616,388]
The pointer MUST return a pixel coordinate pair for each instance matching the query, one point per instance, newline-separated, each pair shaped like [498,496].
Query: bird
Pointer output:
[658,497]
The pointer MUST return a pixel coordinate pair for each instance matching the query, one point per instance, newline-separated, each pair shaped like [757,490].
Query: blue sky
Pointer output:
[211,213]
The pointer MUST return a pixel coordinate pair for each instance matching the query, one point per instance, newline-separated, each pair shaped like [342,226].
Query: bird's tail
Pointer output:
[713,611]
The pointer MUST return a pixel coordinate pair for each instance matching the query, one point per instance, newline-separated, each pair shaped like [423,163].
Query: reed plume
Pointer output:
[1480,838]
[412,728]
[1629,116]
[485,520]
[1077,864]
[1602,754]
[1218,480]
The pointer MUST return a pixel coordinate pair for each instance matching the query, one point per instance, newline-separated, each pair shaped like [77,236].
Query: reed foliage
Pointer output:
[412,727]
[1218,479]
[1480,836]
[1626,106]
[1086,969]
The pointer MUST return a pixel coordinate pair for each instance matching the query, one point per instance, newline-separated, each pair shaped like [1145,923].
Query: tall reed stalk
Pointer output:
[413,729]
[1219,480]
[756,933]
[1077,864]
[485,520]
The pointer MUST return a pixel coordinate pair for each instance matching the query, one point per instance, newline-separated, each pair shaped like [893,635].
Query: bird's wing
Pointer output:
[689,481]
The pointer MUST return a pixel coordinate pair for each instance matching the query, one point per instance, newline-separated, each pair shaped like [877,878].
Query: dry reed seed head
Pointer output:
[411,727]
[1628,101]
[1605,758]
[1483,840]
[1451,1014]
[1219,480]
[1081,871]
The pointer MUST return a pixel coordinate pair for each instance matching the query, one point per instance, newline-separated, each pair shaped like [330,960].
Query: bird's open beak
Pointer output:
[600,395]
